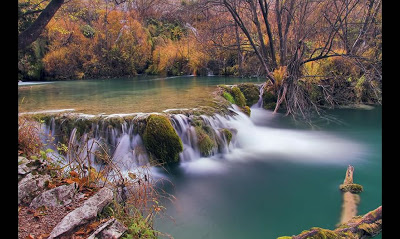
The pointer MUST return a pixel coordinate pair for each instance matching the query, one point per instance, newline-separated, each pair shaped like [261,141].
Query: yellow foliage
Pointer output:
[279,75]
[185,50]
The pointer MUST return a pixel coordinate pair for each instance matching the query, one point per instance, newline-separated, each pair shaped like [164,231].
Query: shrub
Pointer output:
[29,142]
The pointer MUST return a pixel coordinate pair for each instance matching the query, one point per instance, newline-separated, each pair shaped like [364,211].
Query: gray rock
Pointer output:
[112,229]
[31,186]
[26,166]
[83,214]
[56,197]
[22,160]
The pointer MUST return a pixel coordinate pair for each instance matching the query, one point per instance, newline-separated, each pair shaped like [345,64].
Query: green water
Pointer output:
[123,95]
[270,196]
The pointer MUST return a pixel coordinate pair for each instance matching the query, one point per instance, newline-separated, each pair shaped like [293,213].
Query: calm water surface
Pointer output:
[122,95]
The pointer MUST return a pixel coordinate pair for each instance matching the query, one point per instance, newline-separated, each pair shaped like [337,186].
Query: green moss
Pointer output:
[238,96]
[204,141]
[246,110]
[353,188]
[250,92]
[269,100]
[320,233]
[228,134]
[371,228]
[161,140]
[228,97]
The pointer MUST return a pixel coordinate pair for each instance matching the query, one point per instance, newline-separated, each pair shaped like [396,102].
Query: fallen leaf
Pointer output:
[51,185]
[80,232]
[93,225]
[73,174]
[67,180]
[30,237]
[44,236]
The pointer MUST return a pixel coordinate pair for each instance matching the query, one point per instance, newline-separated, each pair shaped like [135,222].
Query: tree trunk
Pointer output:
[28,36]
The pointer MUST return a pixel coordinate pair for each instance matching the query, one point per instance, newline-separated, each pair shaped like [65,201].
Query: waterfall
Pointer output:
[259,104]
[250,138]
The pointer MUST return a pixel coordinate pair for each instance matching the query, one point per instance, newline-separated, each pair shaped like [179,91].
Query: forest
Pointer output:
[334,46]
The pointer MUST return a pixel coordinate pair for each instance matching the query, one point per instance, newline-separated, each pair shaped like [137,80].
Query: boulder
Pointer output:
[31,186]
[56,197]
[83,214]
[161,140]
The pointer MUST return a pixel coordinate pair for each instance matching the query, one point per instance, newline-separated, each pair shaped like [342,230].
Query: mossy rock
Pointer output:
[238,96]
[250,92]
[205,143]
[353,188]
[269,100]
[205,138]
[246,110]
[228,97]
[161,140]
[228,134]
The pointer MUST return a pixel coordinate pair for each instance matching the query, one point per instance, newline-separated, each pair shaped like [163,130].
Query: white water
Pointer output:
[252,140]
[255,142]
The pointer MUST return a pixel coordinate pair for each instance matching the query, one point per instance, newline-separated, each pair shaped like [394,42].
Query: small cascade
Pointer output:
[119,138]
[210,72]
[259,104]
[187,133]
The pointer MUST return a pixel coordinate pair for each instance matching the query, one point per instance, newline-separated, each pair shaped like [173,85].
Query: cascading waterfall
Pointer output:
[251,139]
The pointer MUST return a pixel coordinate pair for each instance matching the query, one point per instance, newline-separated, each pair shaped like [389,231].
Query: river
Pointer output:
[277,177]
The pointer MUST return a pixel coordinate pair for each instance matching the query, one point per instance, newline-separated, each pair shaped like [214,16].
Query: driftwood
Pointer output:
[350,226]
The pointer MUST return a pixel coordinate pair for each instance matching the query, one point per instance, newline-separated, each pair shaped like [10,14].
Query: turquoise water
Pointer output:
[282,193]
[280,178]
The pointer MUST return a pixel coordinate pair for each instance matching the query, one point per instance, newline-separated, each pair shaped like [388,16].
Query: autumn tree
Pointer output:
[286,35]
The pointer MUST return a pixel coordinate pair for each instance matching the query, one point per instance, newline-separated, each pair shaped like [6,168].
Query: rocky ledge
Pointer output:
[48,208]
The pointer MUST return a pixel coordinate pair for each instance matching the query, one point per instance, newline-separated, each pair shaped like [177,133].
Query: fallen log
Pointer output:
[351,199]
